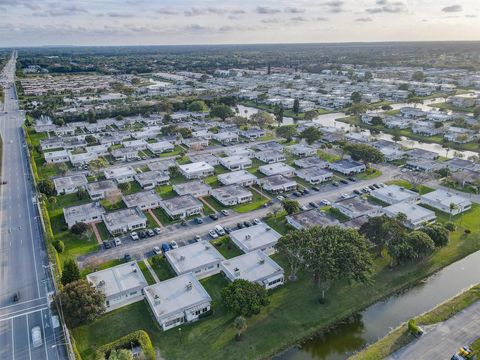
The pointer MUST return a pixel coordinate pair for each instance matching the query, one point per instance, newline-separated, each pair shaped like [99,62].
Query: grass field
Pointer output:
[146,273]
[161,267]
[226,247]
[371,173]
[327,156]
[275,327]
[400,336]
[422,189]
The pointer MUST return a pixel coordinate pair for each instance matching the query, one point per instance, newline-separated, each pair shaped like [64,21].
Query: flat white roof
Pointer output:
[275,168]
[119,171]
[196,167]
[118,279]
[188,258]
[446,198]
[412,211]
[236,177]
[394,193]
[255,237]
[253,266]
[171,296]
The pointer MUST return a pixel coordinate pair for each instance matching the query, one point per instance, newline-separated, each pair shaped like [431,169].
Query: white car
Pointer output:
[213,234]
[219,230]
[225,212]
[325,202]
[197,238]
[157,230]
[157,250]
[36,337]
[345,196]
[256,221]
[118,242]
[173,244]
[134,236]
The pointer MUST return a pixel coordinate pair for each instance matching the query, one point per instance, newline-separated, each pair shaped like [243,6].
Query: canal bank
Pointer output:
[363,328]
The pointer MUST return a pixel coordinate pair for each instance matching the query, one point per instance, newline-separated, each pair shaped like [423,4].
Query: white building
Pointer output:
[355,207]
[102,189]
[240,177]
[56,157]
[196,188]
[393,194]
[160,147]
[70,184]
[181,206]
[255,267]
[200,258]
[417,216]
[122,221]
[446,202]
[277,184]
[278,168]
[122,284]
[149,179]
[86,213]
[232,195]
[314,175]
[301,150]
[196,170]
[348,167]
[122,174]
[235,162]
[256,237]
[144,200]
[176,301]
[270,156]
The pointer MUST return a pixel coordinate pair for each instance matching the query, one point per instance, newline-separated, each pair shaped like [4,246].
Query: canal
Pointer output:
[378,319]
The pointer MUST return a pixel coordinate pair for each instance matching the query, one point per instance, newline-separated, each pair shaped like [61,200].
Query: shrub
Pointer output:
[450,226]
[468,231]
[139,337]
[59,246]
[413,328]
[79,228]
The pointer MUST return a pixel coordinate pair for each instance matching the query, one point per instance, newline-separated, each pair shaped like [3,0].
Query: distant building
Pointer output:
[240,177]
[125,220]
[181,206]
[196,170]
[277,184]
[196,188]
[122,174]
[354,207]
[446,201]
[144,200]
[314,175]
[417,216]
[278,168]
[70,184]
[348,167]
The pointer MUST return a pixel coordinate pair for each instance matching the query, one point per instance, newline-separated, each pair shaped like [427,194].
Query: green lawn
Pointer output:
[226,247]
[294,312]
[134,188]
[146,273]
[102,229]
[371,173]
[400,336]
[165,191]
[213,202]
[257,202]
[279,224]
[161,267]
[163,217]
[327,156]
[422,189]
[151,223]
[102,266]
[177,150]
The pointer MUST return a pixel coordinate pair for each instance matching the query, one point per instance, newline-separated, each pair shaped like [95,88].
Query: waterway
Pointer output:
[331,120]
[378,319]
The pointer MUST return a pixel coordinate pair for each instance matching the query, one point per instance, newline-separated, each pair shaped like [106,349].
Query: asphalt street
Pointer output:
[443,340]
[182,234]
[23,258]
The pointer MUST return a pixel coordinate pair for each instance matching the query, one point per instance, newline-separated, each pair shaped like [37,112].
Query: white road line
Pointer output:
[22,312]
[23,302]
[13,343]
[28,334]
[44,335]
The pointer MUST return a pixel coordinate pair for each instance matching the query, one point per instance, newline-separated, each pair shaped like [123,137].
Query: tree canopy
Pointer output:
[311,134]
[291,206]
[46,187]
[244,297]
[261,119]
[221,111]
[414,246]
[364,153]
[381,230]
[70,272]
[286,131]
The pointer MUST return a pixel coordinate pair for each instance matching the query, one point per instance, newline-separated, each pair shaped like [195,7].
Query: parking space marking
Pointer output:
[28,337]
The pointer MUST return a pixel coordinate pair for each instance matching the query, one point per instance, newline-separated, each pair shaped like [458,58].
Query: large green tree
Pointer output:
[286,131]
[46,187]
[221,111]
[413,246]
[261,119]
[365,153]
[438,233]
[292,246]
[81,302]
[70,272]
[197,105]
[311,134]
[244,297]
[381,230]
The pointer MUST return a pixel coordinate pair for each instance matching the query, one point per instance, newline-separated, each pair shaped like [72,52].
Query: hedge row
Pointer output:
[137,338]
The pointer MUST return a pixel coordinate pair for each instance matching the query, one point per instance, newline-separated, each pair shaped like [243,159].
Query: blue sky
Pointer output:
[138,22]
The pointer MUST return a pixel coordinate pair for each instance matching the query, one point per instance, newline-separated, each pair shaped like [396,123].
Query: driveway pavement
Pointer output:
[443,340]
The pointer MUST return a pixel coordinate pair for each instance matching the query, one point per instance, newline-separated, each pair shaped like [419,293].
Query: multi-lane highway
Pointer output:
[25,283]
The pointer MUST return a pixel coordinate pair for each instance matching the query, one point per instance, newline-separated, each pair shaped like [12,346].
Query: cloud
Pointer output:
[452,8]
[334,6]
[271,21]
[114,14]
[299,19]
[212,10]
[364,19]
[294,10]
[266,10]
[387,6]
[470,16]
[68,10]
[165,11]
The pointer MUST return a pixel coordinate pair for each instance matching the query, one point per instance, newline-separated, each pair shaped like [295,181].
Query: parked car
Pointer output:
[197,238]
[157,250]
[213,234]
[107,245]
[157,230]
[306,191]
[343,181]
[165,247]
[335,184]
[316,188]
[36,337]
[225,212]
[366,190]
[213,216]
[240,225]
[173,244]
[297,193]
[134,236]
[256,221]
[127,257]
[198,220]
[313,205]
[372,187]
[118,242]
[227,229]
[143,234]
[325,202]
[280,197]
[247,223]
[351,178]
[358,192]
[219,230]
[346,196]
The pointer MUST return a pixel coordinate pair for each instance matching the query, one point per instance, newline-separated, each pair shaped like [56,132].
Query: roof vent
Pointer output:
[262,261]
[189,286]
[182,258]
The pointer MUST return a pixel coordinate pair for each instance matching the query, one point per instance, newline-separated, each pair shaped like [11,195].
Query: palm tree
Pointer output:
[452,207]
[240,325]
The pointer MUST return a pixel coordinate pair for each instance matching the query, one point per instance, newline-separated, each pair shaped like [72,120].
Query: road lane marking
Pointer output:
[23,302]
[13,342]
[7,317]
[28,334]
[44,335]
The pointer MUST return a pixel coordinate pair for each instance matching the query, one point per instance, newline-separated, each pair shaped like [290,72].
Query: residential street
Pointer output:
[22,255]
[443,340]
[181,235]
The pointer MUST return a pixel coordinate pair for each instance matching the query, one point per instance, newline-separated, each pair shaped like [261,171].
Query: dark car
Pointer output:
[213,216]
[376,186]
[316,188]
[313,205]
[343,181]
[306,191]
[247,223]
[358,192]
[199,220]
[240,225]
[165,247]
[107,245]
[335,183]
[227,229]
[127,257]
[297,193]
[351,178]
[16,297]
[143,234]
[372,187]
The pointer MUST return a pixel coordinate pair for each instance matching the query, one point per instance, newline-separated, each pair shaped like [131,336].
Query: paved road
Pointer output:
[22,251]
[141,249]
[442,340]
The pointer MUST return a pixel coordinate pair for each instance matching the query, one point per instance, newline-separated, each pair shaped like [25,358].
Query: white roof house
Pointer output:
[347,167]
[196,170]
[314,175]
[232,195]
[235,162]
[277,184]
[121,174]
[311,161]
[55,157]
[176,301]
[255,267]
[122,284]
[160,147]
[393,194]
[150,179]
[196,188]
[310,218]
[301,150]
[122,221]
[86,213]
[416,215]
[355,206]
[270,156]
[240,177]
[200,258]
[278,168]
[181,206]
[144,200]
[101,189]
[70,184]
[257,237]
[441,200]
